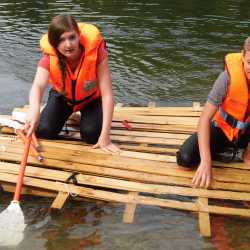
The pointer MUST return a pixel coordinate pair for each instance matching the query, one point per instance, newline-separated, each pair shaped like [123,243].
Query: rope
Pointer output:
[72,194]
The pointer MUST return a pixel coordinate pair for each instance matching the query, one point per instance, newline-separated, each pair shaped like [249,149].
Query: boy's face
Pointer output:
[246,62]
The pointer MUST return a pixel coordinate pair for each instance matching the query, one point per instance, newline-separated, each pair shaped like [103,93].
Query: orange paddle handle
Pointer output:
[22,169]
[32,148]
[36,142]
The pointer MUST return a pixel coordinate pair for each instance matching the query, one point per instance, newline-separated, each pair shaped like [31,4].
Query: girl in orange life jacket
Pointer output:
[80,80]
[222,124]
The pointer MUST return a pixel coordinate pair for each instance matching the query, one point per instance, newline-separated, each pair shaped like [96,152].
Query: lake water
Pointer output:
[167,51]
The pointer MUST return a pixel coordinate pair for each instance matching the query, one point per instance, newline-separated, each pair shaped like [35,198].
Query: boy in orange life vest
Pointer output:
[224,122]
[75,63]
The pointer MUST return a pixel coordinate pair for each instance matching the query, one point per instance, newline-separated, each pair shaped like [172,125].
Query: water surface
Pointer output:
[169,52]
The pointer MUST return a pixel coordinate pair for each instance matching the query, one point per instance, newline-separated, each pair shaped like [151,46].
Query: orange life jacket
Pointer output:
[81,87]
[232,112]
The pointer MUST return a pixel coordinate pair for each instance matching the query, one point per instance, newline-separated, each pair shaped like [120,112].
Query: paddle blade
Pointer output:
[12,225]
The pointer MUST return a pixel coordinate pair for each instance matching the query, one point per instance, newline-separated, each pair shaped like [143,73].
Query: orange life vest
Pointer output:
[234,106]
[81,87]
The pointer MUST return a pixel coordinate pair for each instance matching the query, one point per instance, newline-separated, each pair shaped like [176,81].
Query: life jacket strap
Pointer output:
[74,102]
[234,123]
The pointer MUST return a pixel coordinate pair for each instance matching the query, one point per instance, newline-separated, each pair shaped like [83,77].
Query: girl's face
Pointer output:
[69,45]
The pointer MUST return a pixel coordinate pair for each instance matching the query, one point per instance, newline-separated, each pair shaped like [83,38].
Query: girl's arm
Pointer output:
[35,97]
[105,84]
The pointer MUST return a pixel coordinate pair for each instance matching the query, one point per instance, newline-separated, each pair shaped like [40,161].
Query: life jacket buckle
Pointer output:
[230,120]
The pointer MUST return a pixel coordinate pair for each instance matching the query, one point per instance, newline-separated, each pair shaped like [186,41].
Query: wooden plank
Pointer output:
[137,176]
[139,139]
[129,212]
[152,111]
[148,149]
[107,160]
[28,191]
[75,145]
[50,174]
[191,121]
[107,171]
[124,198]
[148,166]
[60,200]
[150,134]
[158,109]
[112,183]
[204,220]
[158,127]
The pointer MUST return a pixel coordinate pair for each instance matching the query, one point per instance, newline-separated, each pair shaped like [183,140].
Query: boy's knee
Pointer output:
[185,160]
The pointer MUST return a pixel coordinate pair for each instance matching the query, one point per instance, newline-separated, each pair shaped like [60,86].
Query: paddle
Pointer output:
[12,222]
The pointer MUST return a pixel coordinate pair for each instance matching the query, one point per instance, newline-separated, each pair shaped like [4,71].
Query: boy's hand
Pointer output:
[203,176]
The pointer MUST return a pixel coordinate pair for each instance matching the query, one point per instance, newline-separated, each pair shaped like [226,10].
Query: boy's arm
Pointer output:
[203,175]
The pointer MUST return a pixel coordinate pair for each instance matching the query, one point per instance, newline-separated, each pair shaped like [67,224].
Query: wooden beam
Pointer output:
[124,198]
[129,212]
[204,220]
[60,200]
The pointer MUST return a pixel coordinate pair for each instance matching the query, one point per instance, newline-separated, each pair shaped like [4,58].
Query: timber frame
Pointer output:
[145,172]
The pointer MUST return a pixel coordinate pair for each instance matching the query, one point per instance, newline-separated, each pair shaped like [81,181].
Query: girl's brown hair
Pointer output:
[59,25]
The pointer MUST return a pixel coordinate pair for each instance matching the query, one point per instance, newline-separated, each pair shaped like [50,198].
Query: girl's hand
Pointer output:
[31,122]
[106,145]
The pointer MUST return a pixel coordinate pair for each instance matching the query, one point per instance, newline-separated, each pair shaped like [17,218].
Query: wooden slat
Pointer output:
[129,212]
[133,164]
[124,198]
[28,191]
[158,127]
[60,200]
[139,139]
[132,186]
[191,121]
[204,220]
[225,175]
[149,134]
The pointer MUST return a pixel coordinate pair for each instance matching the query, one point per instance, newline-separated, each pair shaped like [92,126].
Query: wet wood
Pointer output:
[129,212]
[204,220]
[60,200]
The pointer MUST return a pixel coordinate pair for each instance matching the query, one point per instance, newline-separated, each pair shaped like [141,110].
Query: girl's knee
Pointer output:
[90,135]
[46,132]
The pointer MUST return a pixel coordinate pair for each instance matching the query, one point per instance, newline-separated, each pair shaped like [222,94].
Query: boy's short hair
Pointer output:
[246,46]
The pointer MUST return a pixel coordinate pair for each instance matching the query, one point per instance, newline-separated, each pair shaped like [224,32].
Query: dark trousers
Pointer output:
[57,111]
[189,154]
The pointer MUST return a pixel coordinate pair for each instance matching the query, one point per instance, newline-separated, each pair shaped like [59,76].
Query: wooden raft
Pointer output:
[145,172]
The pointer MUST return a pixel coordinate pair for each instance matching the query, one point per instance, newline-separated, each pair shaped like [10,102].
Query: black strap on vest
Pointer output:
[74,102]
[234,123]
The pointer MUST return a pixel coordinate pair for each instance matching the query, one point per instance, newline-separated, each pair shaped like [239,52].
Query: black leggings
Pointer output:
[57,111]
[189,154]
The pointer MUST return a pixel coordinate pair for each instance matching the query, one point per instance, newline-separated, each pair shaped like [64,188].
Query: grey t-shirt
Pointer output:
[219,90]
